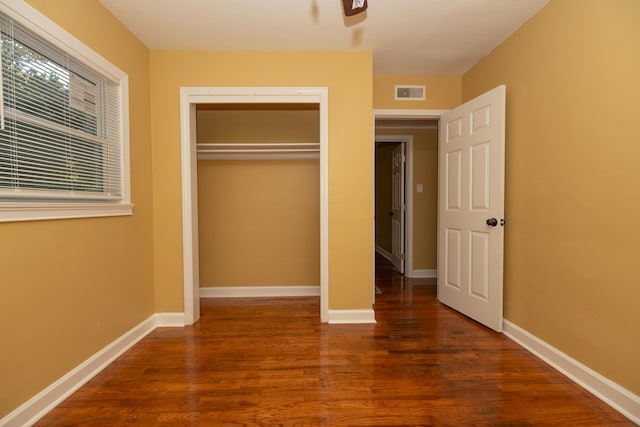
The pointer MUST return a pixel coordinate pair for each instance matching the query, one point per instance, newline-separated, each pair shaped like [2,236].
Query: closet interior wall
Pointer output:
[258,195]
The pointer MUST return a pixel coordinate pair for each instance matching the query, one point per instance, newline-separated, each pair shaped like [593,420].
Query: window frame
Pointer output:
[33,209]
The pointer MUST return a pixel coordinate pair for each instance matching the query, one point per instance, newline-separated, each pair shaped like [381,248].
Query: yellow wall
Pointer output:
[572,193]
[348,77]
[242,123]
[425,204]
[70,287]
[259,220]
[442,92]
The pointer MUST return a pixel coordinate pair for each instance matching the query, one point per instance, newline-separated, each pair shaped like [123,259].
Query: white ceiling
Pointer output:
[408,37]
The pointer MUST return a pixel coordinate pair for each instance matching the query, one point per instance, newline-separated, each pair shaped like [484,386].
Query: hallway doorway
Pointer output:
[418,131]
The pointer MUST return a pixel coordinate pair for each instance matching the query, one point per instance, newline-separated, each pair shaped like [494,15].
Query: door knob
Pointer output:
[390,213]
[492,222]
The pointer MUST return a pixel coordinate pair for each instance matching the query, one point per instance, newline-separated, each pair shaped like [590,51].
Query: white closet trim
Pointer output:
[190,97]
[259,151]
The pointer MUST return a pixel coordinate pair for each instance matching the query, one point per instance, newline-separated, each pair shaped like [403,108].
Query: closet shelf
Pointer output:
[258,151]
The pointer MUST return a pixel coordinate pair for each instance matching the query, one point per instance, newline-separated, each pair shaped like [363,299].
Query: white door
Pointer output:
[471,208]
[397,207]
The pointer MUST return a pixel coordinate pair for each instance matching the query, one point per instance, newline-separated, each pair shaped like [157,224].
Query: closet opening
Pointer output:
[258,199]
[255,179]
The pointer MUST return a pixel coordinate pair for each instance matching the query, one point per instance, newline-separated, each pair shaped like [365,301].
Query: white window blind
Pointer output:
[59,124]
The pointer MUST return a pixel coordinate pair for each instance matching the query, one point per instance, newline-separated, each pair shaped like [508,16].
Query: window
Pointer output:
[63,133]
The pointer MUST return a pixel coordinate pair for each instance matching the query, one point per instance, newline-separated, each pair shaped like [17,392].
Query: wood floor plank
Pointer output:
[270,362]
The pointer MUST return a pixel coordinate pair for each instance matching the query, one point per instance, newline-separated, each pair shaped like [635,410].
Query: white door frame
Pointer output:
[408,140]
[189,98]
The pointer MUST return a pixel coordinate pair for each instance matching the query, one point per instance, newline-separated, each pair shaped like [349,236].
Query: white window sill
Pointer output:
[43,211]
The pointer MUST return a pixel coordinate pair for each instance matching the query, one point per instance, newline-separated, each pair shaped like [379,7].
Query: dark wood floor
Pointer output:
[269,362]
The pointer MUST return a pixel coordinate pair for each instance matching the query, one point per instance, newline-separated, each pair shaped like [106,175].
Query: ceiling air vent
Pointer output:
[410,93]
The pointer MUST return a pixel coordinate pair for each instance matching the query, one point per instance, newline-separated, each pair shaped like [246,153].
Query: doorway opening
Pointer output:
[190,99]
[417,130]
[258,200]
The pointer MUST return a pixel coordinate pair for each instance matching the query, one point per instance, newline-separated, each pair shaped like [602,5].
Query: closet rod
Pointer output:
[251,151]
[257,147]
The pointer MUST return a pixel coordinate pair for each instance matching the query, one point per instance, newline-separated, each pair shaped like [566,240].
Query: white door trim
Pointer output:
[407,114]
[398,206]
[408,140]
[189,97]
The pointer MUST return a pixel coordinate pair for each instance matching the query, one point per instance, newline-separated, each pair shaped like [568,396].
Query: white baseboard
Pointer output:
[423,274]
[385,253]
[169,320]
[39,405]
[616,396]
[258,291]
[352,316]
[413,274]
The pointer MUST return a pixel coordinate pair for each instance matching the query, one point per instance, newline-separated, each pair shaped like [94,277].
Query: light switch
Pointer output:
[419,188]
